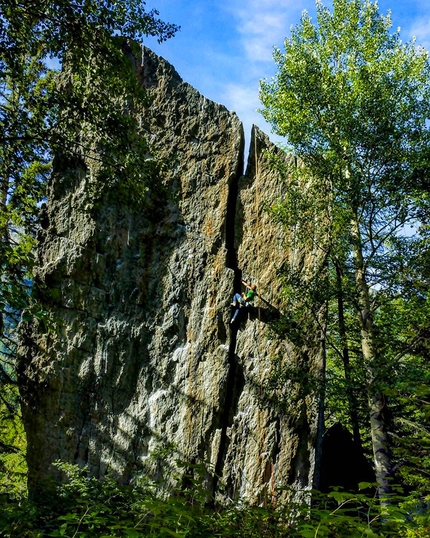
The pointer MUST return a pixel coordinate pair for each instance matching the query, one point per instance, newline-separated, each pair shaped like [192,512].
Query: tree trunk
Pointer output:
[377,401]
[352,401]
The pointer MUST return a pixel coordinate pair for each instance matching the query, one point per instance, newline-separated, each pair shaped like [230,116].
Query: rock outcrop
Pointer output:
[143,367]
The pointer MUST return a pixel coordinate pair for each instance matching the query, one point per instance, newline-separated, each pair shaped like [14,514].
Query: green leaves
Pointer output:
[86,507]
[349,90]
[353,102]
[87,111]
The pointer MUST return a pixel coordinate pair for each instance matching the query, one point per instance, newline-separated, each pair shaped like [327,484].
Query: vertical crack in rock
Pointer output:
[231,257]
[231,395]
[233,387]
[264,444]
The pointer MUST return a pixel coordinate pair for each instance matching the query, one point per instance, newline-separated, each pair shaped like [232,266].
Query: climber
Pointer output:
[242,301]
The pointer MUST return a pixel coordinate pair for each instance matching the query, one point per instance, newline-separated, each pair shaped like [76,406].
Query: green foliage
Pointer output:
[353,102]
[404,328]
[24,168]
[13,469]
[348,90]
[84,506]
[85,113]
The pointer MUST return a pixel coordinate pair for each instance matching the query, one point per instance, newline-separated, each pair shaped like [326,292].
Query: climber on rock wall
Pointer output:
[242,301]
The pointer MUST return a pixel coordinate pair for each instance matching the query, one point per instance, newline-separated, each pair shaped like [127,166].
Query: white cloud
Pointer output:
[263,25]
[262,22]
[257,51]
[240,98]
[421,30]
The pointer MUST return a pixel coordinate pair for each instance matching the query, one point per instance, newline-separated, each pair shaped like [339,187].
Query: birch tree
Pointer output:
[353,102]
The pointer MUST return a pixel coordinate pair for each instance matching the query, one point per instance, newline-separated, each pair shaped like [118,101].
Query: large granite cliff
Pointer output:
[143,366]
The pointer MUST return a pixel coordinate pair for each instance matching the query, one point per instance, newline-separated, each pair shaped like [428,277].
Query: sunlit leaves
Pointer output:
[353,102]
[68,89]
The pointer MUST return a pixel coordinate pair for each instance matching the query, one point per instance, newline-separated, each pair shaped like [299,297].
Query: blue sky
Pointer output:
[225,47]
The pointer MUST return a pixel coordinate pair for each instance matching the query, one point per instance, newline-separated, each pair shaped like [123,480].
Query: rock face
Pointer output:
[143,367]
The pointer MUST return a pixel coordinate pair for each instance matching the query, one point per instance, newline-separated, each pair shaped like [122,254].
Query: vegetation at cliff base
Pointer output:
[88,507]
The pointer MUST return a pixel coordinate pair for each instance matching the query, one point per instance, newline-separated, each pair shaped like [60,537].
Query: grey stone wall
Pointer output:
[142,366]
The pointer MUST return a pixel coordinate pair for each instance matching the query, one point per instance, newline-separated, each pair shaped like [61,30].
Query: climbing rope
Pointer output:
[142,61]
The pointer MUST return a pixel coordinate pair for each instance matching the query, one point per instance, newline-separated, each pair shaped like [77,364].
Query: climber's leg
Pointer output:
[235,315]
[237,298]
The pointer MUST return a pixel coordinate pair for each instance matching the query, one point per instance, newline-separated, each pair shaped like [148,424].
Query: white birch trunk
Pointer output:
[377,401]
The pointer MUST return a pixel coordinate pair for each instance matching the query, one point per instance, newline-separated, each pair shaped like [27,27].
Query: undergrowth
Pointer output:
[86,507]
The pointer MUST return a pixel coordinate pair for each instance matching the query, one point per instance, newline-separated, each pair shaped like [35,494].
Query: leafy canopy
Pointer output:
[349,89]
[353,102]
[84,110]
[46,112]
